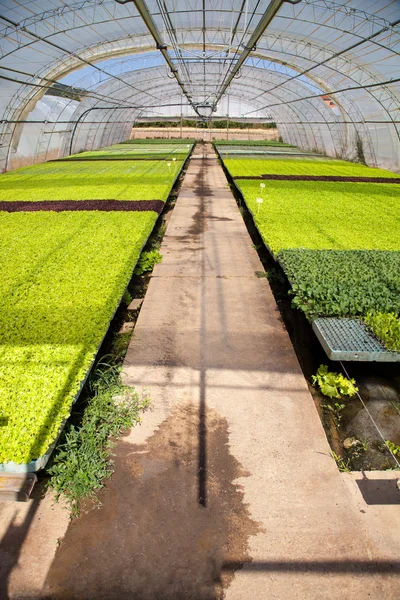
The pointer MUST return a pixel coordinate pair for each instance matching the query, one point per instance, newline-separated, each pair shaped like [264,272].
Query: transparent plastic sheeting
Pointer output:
[326,71]
[40,141]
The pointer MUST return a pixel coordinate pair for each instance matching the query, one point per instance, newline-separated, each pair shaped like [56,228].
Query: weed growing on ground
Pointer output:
[343,464]
[336,409]
[358,448]
[126,298]
[156,238]
[147,260]
[334,385]
[121,343]
[84,460]
[394,448]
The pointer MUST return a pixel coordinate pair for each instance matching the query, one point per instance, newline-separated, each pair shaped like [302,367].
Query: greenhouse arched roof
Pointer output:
[326,71]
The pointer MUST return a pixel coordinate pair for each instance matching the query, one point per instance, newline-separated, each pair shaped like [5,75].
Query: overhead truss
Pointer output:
[273,58]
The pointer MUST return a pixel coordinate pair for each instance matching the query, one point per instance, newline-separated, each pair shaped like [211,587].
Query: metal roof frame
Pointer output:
[333,47]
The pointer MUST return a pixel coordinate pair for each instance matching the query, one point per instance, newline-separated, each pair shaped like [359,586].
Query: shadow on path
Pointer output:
[12,541]
[151,538]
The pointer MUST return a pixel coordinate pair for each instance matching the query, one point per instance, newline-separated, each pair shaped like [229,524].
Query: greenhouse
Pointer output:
[199,299]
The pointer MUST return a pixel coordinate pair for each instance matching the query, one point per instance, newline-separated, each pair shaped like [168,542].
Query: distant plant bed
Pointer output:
[122,156]
[133,150]
[386,327]
[102,180]
[160,141]
[302,166]
[149,145]
[343,283]
[250,143]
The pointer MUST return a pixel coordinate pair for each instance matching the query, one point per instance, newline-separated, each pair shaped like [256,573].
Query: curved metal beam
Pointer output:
[60,11]
[262,25]
[160,44]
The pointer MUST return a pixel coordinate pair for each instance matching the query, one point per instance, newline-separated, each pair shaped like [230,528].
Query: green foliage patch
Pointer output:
[301,166]
[334,385]
[83,460]
[112,155]
[134,150]
[63,180]
[338,242]
[386,327]
[150,146]
[147,260]
[343,283]
[239,153]
[63,275]
[394,448]
[325,215]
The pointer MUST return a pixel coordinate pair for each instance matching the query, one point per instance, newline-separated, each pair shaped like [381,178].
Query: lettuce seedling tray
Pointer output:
[39,463]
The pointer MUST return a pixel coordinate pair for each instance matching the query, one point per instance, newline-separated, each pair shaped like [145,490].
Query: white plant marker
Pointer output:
[259,202]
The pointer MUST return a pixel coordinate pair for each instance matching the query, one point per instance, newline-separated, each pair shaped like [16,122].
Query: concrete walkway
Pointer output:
[228,488]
